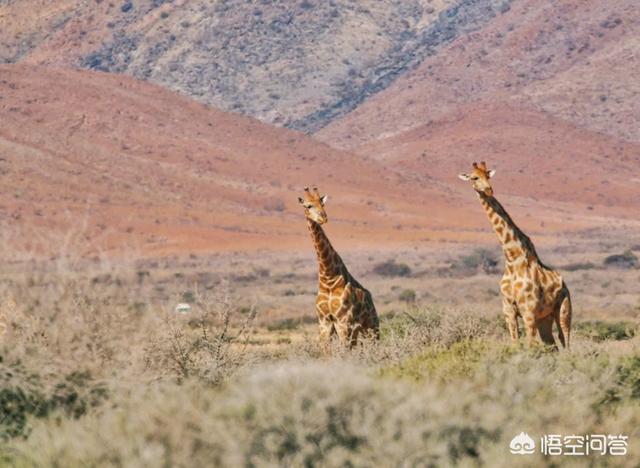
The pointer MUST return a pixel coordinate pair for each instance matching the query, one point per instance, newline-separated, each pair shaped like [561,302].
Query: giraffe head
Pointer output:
[479,178]
[313,204]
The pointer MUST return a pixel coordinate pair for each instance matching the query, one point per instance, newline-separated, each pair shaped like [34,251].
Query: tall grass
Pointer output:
[336,413]
[97,369]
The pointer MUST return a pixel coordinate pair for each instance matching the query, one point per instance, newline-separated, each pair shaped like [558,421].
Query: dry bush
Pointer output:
[406,334]
[340,414]
[275,204]
[67,320]
[390,268]
[211,343]
[98,371]
[625,260]
[485,260]
[79,332]
[442,325]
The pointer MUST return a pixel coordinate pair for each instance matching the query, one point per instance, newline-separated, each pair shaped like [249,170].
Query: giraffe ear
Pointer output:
[300,200]
[491,173]
[464,176]
[323,199]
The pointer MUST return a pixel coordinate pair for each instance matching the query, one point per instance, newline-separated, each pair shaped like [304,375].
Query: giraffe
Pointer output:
[343,306]
[529,288]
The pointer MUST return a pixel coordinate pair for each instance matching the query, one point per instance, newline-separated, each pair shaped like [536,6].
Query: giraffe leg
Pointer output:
[511,317]
[556,319]
[344,315]
[371,324]
[356,331]
[545,329]
[371,331]
[346,333]
[363,316]
[530,328]
[325,326]
[326,329]
[565,319]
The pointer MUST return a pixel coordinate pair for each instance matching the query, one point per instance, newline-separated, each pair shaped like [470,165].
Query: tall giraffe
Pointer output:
[343,306]
[529,288]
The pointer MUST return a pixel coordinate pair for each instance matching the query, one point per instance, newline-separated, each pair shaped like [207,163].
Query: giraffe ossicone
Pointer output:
[343,306]
[530,289]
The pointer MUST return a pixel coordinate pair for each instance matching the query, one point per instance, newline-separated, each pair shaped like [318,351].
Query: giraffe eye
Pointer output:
[474,178]
[307,206]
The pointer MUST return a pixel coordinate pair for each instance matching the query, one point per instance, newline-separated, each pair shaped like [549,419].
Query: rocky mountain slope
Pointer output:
[389,65]
[296,64]
[577,60]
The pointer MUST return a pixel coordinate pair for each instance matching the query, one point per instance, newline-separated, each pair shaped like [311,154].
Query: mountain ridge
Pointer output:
[297,65]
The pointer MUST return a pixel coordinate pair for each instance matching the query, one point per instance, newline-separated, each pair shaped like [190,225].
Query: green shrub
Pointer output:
[23,394]
[188,296]
[599,330]
[298,414]
[625,260]
[456,361]
[407,295]
[391,268]
[337,413]
[579,266]
[284,324]
[479,260]
[629,376]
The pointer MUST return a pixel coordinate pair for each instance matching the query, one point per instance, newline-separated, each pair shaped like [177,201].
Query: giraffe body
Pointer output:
[530,290]
[343,306]
[539,296]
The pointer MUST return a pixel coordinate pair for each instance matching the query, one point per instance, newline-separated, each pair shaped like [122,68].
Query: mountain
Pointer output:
[114,162]
[576,60]
[546,93]
[538,157]
[297,64]
[106,162]
[389,65]
[104,141]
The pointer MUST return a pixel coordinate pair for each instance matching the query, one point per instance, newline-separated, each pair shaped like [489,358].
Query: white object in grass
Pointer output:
[183,308]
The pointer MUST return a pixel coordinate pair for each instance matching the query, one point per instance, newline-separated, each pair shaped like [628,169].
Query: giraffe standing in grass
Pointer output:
[343,306]
[529,289]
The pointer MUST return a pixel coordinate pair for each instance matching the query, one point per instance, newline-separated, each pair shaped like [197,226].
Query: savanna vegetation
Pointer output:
[98,369]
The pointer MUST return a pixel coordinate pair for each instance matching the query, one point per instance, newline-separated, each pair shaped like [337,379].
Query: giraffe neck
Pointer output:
[329,262]
[515,244]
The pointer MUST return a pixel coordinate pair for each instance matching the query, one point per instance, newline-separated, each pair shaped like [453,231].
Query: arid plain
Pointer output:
[152,153]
